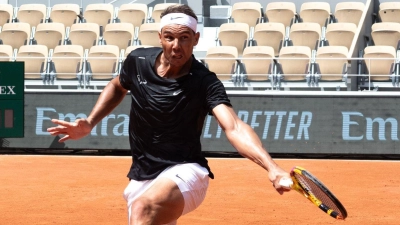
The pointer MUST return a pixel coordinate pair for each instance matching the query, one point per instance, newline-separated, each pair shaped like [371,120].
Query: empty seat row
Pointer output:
[67,62]
[103,62]
[285,12]
[258,64]
[34,14]
[84,34]
[299,64]
[275,35]
[68,14]
[138,13]
[294,63]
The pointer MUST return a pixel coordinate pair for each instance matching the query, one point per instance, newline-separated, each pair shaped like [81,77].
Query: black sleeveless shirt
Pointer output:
[167,115]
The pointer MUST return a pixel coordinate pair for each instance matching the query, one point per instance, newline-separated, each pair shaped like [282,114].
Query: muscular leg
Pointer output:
[162,203]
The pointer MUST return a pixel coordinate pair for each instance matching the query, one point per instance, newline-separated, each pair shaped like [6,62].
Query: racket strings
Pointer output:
[318,192]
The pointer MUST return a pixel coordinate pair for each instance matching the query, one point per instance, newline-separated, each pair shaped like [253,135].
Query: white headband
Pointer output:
[179,18]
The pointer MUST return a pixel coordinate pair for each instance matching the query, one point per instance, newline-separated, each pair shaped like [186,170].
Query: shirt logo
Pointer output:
[140,80]
[177,92]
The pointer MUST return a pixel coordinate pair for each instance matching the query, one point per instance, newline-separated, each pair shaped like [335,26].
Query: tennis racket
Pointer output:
[308,185]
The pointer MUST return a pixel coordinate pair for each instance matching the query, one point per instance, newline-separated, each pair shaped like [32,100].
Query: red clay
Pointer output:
[88,190]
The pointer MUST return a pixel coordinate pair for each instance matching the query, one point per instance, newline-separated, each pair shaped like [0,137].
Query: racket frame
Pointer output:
[311,197]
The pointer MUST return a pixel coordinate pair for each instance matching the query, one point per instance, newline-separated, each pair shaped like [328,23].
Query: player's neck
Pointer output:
[164,69]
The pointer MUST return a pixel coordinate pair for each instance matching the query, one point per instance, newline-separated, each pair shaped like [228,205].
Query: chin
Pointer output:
[178,62]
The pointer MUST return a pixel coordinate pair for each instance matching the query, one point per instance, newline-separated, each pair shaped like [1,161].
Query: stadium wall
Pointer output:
[288,123]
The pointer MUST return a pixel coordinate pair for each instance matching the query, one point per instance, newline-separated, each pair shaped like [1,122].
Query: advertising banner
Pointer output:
[285,123]
[11,99]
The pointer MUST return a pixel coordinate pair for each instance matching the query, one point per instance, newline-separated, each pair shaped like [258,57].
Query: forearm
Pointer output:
[109,98]
[248,144]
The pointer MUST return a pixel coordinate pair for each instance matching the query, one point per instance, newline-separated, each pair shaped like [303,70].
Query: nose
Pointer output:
[176,44]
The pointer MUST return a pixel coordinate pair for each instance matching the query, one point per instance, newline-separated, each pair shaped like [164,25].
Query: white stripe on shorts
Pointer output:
[191,178]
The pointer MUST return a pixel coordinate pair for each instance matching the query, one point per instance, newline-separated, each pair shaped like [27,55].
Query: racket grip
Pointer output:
[286,182]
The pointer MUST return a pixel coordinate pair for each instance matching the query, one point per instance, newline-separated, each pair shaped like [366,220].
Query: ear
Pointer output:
[159,37]
[196,38]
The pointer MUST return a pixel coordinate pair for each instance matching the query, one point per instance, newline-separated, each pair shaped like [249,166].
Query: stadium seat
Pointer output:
[6,13]
[148,34]
[332,62]
[119,34]
[66,14]
[133,47]
[6,53]
[389,11]
[158,9]
[101,13]
[349,12]
[50,34]
[378,61]
[134,13]
[280,12]
[234,34]
[386,33]
[315,12]
[35,61]
[294,63]
[33,14]
[222,60]
[102,62]
[15,34]
[247,12]
[305,34]
[340,34]
[256,62]
[269,34]
[84,34]
[67,62]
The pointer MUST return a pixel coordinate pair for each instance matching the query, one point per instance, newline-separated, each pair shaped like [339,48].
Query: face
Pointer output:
[177,42]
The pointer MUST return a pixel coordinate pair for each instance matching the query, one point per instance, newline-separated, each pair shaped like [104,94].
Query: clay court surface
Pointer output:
[88,190]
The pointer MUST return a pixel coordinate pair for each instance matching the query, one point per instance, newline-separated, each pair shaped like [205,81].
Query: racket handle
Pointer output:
[286,182]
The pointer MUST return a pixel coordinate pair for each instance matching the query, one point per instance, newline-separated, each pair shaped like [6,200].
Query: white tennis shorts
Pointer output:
[191,178]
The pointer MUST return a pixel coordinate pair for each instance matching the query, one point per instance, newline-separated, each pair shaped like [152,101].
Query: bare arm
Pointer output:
[109,98]
[247,143]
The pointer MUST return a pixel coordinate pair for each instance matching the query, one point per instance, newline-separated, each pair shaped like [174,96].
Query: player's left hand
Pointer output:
[71,130]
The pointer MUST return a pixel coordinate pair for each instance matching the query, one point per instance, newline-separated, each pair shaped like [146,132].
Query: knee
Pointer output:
[141,210]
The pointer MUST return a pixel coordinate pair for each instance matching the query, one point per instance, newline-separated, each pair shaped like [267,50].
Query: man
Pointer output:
[171,95]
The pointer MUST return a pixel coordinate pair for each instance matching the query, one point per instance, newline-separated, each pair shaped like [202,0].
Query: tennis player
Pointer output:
[171,93]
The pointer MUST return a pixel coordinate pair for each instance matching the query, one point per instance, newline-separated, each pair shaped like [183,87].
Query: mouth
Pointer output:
[177,57]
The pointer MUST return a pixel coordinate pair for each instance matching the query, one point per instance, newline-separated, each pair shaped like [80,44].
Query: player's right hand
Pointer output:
[275,175]
[71,130]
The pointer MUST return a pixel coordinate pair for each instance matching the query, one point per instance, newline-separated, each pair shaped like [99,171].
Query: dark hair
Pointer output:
[185,9]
